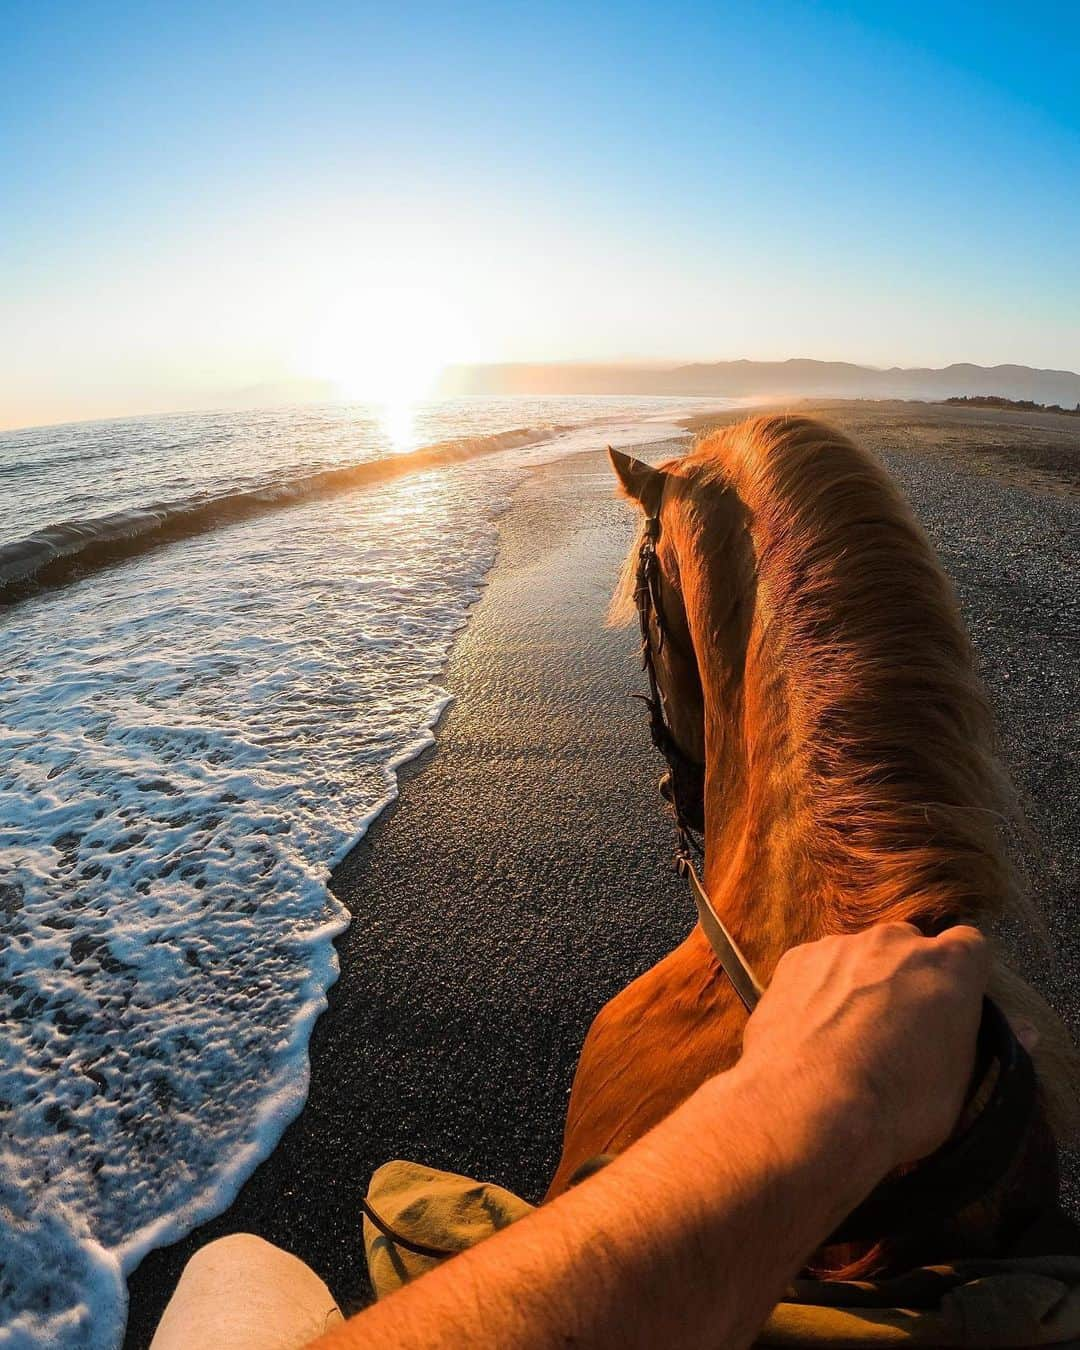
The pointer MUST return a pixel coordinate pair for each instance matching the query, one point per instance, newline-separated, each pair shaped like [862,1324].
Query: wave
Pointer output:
[70,549]
[177,777]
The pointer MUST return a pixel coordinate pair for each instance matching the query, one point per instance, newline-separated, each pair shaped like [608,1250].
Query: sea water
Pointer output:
[192,732]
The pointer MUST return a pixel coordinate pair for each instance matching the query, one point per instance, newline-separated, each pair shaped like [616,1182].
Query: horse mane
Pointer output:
[904,802]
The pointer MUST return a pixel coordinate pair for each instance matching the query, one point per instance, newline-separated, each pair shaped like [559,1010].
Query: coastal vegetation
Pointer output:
[1020,404]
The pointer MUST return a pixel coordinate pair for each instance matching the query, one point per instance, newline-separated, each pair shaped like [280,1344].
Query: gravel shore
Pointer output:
[523,876]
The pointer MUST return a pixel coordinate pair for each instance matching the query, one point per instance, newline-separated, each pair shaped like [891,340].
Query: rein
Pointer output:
[973,1160]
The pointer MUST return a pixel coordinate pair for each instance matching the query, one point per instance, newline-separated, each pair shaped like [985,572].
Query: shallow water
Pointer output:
[84,491]
[188,741]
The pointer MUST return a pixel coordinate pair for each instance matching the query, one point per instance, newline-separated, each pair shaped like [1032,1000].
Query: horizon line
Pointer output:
[326,386]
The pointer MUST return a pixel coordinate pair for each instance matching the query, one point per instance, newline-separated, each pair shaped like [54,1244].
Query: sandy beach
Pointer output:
[523,876]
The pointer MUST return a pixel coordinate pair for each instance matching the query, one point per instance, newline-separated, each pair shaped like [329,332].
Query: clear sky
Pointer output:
[196,199]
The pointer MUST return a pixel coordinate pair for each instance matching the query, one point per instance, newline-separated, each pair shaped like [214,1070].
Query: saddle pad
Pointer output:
[1006,1304]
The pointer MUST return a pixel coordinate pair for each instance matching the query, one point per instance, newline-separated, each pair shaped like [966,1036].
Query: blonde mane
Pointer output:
[905,799]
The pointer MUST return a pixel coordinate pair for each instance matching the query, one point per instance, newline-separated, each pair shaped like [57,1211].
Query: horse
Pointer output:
[814,670]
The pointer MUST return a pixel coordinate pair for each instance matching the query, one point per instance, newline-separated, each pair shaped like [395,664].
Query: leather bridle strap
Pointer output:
[687,775]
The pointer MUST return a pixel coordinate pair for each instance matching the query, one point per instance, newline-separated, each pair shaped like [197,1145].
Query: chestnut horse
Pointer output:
[815,663]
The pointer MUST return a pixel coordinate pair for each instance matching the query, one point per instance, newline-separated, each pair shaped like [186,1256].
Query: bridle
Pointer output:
[972,1161]
[687,782]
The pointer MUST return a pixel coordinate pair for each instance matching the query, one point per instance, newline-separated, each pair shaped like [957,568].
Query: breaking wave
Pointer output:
[72,548]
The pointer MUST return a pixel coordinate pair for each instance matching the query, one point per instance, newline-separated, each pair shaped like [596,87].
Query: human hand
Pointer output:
[881,1023]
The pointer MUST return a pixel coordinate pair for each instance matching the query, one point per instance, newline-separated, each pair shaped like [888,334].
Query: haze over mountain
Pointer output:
[768,379]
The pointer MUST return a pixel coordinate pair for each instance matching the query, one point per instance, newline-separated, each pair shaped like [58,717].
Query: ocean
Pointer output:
[222,633]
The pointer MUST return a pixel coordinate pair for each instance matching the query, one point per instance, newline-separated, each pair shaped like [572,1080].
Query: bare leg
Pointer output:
[241,1293]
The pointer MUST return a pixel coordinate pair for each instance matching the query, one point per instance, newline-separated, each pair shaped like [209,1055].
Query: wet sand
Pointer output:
[523,876]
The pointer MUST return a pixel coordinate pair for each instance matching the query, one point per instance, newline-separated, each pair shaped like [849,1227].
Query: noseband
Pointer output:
[973,1160]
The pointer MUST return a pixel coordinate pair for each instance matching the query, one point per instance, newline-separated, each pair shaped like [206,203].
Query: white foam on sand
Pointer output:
[188,743]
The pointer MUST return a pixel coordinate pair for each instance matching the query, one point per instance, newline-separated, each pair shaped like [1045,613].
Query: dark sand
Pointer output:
[522,878]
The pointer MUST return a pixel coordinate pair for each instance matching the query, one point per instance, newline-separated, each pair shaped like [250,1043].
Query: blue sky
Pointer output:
[202,198]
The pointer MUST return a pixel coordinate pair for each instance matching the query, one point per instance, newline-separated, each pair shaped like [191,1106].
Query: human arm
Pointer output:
[856,1060]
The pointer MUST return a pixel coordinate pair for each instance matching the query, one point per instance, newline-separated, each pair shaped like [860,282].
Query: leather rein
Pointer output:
[974,1159]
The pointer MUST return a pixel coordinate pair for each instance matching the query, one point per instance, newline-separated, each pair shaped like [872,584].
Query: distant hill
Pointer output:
[770,379]
[273,393]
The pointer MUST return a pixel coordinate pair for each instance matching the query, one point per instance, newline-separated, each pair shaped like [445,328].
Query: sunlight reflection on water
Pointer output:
[397,419]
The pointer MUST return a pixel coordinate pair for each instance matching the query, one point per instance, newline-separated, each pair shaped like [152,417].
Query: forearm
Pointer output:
[691,1235]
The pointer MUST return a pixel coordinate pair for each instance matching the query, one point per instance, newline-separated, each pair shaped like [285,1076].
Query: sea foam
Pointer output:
[187,744]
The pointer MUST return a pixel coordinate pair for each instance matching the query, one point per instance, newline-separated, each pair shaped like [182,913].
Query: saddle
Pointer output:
[1027,1297]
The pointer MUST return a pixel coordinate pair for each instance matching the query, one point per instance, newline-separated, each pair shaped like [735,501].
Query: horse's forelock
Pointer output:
[622,609]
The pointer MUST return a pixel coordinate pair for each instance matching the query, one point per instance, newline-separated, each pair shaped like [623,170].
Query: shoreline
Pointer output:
[522,875]
[380,875]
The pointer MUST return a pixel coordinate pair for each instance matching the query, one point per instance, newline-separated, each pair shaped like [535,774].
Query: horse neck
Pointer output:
[754,869]
[780,866]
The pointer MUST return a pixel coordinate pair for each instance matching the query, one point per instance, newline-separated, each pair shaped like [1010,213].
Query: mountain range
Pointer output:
[768,379]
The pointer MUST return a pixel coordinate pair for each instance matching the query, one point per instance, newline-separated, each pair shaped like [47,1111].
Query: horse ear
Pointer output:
[639,481]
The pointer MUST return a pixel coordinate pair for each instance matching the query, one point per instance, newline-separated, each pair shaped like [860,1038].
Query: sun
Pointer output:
[382,346]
